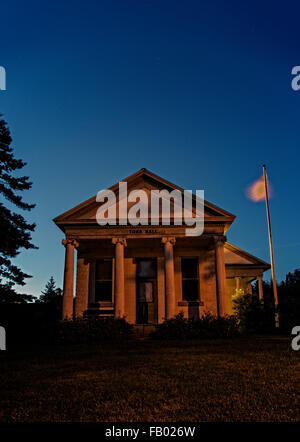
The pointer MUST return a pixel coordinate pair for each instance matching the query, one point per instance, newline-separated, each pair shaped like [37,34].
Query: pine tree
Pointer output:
[52,294]
[52,298]
[15,231]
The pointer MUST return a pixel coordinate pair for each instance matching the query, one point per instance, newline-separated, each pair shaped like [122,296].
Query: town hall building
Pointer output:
[149,273]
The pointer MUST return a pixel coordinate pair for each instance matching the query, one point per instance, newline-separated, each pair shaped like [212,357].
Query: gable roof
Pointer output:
[234,256]
[142,179]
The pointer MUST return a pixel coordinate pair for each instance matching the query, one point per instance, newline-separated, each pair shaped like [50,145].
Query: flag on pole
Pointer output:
[259,191]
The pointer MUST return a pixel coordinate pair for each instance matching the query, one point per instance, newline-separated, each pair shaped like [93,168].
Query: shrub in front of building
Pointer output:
[93,330]
[253,315]
[207,326]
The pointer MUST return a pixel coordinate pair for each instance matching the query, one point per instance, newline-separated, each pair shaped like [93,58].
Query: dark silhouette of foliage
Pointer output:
[15,231]
[268,294]
[52,299]
[52,294]
[253,315]
[97,330]
[289,301]
[207,326]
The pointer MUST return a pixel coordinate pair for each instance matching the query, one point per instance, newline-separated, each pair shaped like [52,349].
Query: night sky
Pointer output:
[198,92]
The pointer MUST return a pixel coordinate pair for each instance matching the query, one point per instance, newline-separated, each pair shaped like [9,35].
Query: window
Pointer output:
[103,283]
[190,279]
[146,268]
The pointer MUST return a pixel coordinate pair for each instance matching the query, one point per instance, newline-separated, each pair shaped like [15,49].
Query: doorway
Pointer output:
[146,291]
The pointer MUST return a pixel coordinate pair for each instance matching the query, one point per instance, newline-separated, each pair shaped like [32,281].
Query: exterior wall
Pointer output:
[178,286]
[85,280]
[85,286]
[161,290]
[208,283]
[92,282]
[82,287]
[130,290]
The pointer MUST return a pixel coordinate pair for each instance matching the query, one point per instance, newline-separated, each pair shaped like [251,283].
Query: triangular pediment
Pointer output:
[146,181]
[234,256]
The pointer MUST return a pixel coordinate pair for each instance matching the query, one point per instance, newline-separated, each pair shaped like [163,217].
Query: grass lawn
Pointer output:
[233,380]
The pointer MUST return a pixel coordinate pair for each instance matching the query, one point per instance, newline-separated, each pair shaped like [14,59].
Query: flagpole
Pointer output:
[271,248]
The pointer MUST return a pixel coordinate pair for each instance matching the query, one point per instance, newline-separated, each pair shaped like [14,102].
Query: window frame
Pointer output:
[111,301]
[197,278]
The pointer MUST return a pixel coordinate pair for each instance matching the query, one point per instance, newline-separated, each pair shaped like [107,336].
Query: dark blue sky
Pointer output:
[197,92]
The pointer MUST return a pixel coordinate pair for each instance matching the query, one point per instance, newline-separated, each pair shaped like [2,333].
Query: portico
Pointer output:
[151,273]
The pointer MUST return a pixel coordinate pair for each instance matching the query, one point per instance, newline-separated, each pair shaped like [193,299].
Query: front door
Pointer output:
[146,291]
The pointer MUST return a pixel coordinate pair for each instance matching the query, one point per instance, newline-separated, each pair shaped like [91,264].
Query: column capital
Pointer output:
[119,241]
[73,242]
[68,279]
[168,239]
[219,240]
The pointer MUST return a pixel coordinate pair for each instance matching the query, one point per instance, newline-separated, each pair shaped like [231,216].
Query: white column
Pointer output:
[169,276]
[68,278]
[120,243]
[221,277]
[260,288]
[238,283]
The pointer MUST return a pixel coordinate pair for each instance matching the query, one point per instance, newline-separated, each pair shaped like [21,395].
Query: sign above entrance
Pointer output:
[143,231]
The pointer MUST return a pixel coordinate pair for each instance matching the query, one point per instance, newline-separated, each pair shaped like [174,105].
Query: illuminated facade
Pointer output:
[149,273]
